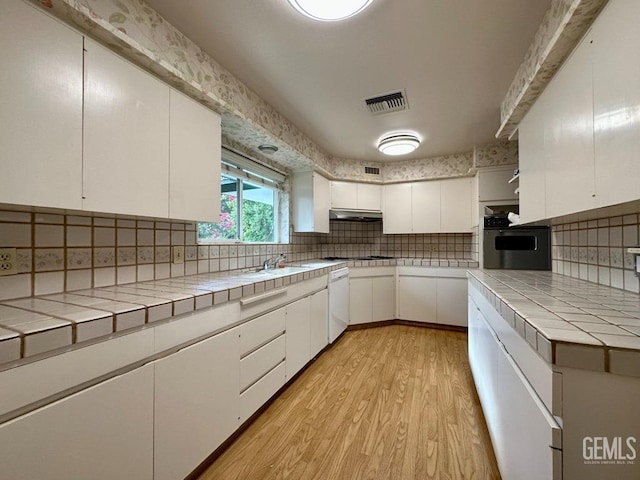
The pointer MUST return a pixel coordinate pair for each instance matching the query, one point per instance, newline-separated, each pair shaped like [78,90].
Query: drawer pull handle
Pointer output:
[264,296]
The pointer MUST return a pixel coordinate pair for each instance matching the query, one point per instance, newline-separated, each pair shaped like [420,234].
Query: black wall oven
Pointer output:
[515,248]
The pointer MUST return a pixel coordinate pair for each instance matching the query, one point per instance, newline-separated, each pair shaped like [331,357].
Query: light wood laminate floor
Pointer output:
[393,403]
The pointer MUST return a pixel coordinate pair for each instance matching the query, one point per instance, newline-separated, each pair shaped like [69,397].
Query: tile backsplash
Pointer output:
[349,239]
[596,250]
[60,252]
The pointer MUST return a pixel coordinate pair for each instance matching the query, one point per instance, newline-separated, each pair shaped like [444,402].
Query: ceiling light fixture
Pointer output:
[398,144]
[267,148]
[330,10]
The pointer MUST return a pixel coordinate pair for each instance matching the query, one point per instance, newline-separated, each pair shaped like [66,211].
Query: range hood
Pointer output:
[356,215]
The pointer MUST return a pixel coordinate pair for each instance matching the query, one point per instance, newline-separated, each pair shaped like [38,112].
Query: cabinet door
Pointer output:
[616,96]
[195,150]
[569,168]
[425,212]
[494,185]
[310,201]
[319,328]
[383,298]
[298,335]
[360,301]
[103,432]
[321,203]
[452,301]
[532,163]
[397,208]
[41,113]
[369,196]
[417,298]
[126,137]
[455,205]
[196,403]
[344,195]
[524,430]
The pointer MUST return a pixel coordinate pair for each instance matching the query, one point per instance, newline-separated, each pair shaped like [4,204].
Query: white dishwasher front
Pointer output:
[338,302]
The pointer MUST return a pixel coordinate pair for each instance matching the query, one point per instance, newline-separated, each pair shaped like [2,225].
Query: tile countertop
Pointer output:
[39,325]
[570,322]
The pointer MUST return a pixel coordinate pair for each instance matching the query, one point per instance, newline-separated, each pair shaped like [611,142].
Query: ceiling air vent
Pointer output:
[387,103]
[372,170]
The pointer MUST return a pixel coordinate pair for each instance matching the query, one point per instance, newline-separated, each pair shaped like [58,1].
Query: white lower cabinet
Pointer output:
[432,295]
[262,360]
[319,328]
[417,298]
[360,300]
[451,309]
[298,335]
[103,432]
[196,403]
[372,294]
[526,438]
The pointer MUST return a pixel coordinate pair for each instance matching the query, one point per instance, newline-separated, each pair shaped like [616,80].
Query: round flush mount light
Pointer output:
[329,10]
[267,148]
[398,144]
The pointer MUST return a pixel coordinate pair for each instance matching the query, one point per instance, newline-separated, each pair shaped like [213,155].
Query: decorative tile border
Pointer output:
[596,250]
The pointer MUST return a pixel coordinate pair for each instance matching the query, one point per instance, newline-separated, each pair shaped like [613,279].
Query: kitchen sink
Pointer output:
[274,272]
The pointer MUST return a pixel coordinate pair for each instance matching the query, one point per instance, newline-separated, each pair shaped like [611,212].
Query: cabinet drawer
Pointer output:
[260,330]
[255,396]
[256,364]
[526,438]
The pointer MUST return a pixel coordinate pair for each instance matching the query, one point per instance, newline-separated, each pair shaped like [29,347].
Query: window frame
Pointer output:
[243,169]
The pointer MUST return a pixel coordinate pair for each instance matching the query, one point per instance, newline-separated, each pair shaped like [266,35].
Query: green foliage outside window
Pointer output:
[258,214]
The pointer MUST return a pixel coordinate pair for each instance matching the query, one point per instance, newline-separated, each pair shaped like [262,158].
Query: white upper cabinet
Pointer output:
[493,184]
[194,159]
[556,144]
[344,195]
[568,136]
[456,205]
[356,196]
[436,206]
[582,136]
[369,196]
[126,137]
[616,96]
[41,113]
[532,163]
[396,213]
[311,201]
[425,205]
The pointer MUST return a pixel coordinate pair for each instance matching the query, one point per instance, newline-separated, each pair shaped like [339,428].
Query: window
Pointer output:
[249,203]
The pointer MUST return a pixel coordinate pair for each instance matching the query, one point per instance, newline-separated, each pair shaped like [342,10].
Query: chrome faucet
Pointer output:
[273,261]
[270,262]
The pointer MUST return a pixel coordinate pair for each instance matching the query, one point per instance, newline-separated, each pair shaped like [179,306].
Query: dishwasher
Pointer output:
[338,302]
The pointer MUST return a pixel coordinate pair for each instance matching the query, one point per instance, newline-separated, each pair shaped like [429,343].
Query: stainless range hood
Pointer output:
[355,215]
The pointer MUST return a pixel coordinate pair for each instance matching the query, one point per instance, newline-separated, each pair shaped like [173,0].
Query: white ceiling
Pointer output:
[454,58]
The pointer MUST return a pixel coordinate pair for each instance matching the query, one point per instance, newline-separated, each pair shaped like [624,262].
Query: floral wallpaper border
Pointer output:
[563,26]
[139,33]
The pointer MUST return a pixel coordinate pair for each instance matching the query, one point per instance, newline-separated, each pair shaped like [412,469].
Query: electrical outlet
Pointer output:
[8,261]
[178,254]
